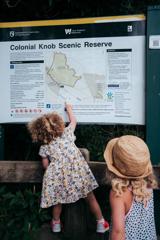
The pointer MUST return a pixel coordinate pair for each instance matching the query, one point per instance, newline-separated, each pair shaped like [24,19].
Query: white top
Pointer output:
[139,221]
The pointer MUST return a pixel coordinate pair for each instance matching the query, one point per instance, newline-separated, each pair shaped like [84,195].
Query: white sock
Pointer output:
[55,221]
[100,220]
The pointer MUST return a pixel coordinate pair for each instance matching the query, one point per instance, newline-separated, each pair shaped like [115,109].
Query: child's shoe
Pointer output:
[56,226]
[102,226]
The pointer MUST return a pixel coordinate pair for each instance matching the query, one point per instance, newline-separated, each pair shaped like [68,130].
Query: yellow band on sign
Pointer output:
[72,21]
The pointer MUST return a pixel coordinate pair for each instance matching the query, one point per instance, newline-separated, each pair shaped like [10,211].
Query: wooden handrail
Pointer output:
[32,172]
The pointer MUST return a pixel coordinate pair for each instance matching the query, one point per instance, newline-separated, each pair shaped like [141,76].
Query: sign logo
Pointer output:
[11,34]
[129,28]
[110,95]
[48,105]
[68,31]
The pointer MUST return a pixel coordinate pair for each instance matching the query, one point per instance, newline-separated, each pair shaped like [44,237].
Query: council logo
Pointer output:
[68,31]
[11,33]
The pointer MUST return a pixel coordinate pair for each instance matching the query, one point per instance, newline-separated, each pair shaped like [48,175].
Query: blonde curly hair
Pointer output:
[139,186]
[46,128]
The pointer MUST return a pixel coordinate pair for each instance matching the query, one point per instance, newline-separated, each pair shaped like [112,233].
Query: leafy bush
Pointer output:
[93,137]
[20,214]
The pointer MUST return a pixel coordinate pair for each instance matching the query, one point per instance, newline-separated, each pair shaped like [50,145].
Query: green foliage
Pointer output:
[22,10]
[20,214]
[95,137]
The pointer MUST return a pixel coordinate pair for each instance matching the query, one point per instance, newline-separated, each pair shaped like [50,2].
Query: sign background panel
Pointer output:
[97,64]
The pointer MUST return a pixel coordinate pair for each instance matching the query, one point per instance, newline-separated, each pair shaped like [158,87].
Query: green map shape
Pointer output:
[61,72]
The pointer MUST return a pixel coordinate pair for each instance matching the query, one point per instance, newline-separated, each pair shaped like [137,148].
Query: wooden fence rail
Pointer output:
[32,172]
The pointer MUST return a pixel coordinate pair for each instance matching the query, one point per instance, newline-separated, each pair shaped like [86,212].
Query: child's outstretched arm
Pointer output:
[118,217]
[72,118]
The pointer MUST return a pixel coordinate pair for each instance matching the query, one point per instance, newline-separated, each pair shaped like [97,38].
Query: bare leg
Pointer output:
[56,211]
[94,206]
[102,225]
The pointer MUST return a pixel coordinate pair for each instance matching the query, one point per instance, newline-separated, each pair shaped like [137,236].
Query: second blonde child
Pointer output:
[132,180]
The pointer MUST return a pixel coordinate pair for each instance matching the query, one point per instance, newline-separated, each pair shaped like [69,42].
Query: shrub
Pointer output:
[20,214]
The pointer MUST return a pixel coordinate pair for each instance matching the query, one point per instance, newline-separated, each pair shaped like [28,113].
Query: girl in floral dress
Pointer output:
[67,177]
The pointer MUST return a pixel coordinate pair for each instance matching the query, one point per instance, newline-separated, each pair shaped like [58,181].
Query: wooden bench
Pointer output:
[79,223]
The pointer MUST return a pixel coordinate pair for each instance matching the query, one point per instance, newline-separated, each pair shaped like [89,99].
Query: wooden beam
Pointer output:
[20,171]
[85,153]
[26,171]
[32,172]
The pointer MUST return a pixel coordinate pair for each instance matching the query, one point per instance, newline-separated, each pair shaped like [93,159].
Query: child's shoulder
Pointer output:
[114,197]
[122,201]
[68,128]
[44,146]
[66,131]
[125,196]
[43,150]
[69,132]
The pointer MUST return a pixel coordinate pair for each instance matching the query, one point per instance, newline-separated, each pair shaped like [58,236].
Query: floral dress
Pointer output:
[68,176]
